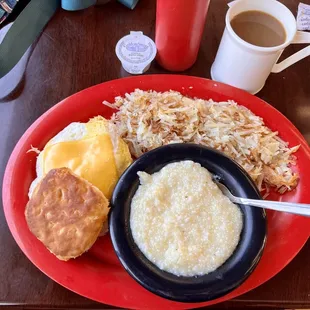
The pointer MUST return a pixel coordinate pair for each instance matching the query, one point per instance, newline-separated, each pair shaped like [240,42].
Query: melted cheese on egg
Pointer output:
[85,158]
[92,150]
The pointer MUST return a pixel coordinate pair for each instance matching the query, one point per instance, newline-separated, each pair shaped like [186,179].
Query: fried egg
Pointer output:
[92,150]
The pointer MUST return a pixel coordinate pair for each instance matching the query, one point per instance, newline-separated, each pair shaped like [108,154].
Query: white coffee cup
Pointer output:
[247,66]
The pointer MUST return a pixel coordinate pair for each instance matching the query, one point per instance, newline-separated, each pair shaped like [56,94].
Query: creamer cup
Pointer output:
[136,52]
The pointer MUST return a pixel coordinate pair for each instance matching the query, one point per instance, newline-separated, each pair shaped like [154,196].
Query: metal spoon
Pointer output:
[290,207]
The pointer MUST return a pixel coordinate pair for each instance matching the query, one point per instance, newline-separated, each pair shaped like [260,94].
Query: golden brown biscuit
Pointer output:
[66,213]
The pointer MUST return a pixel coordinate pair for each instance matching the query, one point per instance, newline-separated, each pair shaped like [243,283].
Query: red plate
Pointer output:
[98,274]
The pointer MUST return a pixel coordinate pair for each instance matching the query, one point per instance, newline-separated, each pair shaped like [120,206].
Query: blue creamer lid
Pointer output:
[136,52]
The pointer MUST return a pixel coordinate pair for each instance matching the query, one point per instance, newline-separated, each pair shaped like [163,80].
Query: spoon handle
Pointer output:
[290,207]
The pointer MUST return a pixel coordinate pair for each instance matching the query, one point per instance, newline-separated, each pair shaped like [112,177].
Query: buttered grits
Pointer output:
[182,222]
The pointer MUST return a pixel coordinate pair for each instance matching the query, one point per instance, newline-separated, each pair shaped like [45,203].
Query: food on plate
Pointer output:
[181,221]
[149,119]
[92,150]
[66,213]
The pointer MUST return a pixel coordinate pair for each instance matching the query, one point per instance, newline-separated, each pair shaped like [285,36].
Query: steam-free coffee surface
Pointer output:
[259,28]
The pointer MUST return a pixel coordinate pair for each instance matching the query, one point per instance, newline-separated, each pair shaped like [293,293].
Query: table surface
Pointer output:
[75,51]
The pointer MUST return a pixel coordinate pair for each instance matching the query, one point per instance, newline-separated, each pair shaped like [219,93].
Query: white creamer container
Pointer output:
[136,52]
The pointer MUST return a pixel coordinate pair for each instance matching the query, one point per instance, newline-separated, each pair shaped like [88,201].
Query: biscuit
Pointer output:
[66,213]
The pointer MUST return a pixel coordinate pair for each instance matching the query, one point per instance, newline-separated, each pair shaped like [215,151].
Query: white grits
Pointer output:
[182,222]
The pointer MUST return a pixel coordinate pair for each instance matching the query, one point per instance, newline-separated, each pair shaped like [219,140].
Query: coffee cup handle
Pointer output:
[300,37]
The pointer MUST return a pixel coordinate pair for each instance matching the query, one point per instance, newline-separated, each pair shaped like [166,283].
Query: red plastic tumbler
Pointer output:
[179,28]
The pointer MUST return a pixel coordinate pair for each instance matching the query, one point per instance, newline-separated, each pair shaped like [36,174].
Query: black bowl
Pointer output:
[188,289]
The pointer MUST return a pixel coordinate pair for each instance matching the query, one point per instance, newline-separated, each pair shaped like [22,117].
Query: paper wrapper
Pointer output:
[303,17]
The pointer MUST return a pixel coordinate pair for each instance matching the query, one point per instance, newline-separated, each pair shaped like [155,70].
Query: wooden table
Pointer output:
[75,51]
